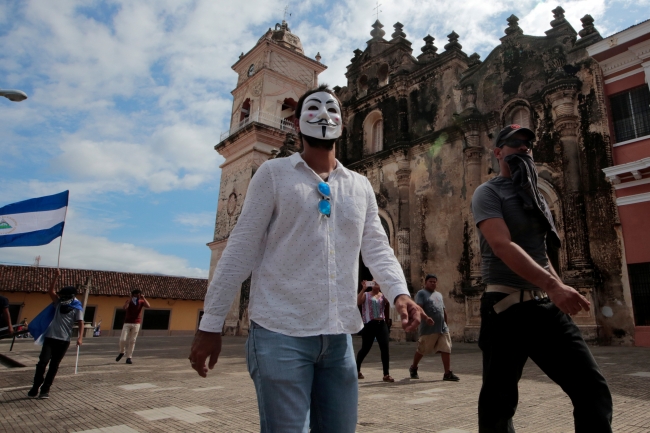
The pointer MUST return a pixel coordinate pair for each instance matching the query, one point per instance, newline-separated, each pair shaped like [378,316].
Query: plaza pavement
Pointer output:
[160,393]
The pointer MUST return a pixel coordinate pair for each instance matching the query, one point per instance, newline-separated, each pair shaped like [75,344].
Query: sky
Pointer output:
[127,100]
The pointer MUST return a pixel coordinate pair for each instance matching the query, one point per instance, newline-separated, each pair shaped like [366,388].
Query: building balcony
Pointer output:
[263,118]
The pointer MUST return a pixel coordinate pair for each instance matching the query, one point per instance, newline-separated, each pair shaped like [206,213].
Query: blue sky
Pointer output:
[128,98]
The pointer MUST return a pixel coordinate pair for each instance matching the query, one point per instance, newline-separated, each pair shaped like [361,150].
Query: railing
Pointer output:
[263,118]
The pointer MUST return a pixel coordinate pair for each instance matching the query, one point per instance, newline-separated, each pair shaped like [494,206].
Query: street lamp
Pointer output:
[14,95]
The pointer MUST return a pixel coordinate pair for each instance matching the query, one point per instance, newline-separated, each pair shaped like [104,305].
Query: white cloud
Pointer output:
[82,251]
[195,220]
[134,104]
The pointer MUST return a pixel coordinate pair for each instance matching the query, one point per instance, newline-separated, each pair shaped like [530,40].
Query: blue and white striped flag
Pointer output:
[37,221]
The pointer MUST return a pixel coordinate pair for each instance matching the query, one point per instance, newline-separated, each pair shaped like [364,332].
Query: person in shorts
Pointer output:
[433,338]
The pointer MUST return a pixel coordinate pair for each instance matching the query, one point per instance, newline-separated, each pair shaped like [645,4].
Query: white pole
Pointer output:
[77,361]
[58,261]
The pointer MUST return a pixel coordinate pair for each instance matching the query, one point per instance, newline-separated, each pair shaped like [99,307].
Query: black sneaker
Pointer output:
[451,377]
[128,361]
[414,373]
[119,357]
[44,395]
[33,392]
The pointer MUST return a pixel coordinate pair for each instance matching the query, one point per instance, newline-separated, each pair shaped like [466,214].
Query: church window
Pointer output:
[363,85]
[373,133]
[377,135]
[631,113]
[520,116]
[382,74]
[245,110]
[288,111]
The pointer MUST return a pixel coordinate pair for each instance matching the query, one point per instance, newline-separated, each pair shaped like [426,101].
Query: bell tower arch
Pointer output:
[271,77]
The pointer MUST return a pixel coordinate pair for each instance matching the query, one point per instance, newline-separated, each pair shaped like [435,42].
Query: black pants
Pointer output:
[374,329]
[52,352]
[539,330]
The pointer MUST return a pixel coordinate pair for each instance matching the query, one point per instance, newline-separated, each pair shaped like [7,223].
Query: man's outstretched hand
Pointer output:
[410,313]
[205,345]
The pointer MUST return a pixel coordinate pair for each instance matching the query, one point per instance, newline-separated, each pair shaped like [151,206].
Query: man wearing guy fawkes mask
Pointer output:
[53,327]
[304,222]
[319,120]
[526,308]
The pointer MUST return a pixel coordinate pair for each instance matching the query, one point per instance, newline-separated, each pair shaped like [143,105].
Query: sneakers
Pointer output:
[414,372]
[128,361]
[451,377]
[44,395]
[388,378]
[119,357]
[360,376]
[33,392]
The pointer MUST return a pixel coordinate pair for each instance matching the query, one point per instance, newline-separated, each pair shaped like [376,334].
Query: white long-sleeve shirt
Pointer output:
[304,265]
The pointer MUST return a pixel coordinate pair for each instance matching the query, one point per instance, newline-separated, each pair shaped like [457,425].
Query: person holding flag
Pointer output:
[53,328]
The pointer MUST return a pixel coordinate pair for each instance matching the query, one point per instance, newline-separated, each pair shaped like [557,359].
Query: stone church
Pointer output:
[419,124]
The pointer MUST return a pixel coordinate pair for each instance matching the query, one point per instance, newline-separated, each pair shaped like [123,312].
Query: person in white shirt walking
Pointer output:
[304,222]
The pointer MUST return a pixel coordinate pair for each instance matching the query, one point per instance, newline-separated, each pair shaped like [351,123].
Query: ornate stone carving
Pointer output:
[231,206]
[399,33]
[474,60]
[513,28]
[377,33]
[453,42]
[562,98]
[404,249]
[256,89]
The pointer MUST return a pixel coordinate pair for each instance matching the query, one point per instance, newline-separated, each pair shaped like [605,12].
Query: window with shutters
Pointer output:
[520,116]
[373,133]
[631,113]
[377,135]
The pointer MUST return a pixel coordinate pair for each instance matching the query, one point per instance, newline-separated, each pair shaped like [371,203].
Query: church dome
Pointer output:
[283,36]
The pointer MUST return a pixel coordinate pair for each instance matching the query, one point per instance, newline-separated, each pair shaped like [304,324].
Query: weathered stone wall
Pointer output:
[440,113]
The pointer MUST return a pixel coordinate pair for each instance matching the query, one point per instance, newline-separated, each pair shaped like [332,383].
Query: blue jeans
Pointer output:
[303,382]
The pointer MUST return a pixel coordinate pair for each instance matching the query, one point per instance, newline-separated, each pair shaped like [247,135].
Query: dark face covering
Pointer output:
[524,178]
[65,300]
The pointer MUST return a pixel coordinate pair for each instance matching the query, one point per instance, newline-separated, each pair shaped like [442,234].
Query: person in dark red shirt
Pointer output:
[131,327]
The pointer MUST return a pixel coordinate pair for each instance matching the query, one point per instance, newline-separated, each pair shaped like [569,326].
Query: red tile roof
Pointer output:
[37,279]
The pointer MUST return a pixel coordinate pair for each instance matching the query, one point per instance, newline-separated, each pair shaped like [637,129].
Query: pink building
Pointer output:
[624,58]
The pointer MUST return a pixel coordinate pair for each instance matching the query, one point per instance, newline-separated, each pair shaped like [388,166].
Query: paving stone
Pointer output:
[224,402]
[641,374]
[137,386]
[114,429]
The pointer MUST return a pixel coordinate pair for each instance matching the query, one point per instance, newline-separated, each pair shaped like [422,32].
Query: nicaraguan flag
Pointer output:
[37,221]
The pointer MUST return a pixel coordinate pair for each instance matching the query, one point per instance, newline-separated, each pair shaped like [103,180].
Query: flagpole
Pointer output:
[77,361]
[58,260]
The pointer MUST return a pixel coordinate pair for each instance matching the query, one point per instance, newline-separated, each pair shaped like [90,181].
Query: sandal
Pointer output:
[360,376]
[387,378]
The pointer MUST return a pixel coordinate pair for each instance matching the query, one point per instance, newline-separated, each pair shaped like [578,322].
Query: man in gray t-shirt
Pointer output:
[497,198]
[433,338]
[518,320]
[67,312]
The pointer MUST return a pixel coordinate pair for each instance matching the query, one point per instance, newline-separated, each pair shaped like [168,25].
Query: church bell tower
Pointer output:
[271,78]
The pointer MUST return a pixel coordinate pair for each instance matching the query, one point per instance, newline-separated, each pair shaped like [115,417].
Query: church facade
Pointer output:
[420,126]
